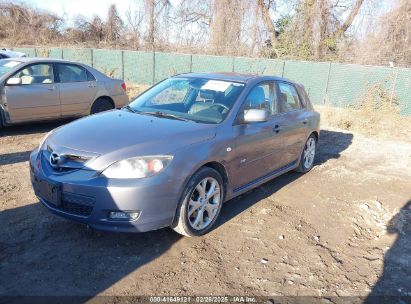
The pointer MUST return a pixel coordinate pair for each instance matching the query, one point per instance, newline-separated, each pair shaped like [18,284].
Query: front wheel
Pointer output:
[201,203]
[308,155]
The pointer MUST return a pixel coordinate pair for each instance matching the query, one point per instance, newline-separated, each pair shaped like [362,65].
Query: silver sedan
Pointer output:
[39,89]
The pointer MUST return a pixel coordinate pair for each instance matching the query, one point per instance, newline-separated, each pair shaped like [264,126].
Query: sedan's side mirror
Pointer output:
[255,115]
[14,81]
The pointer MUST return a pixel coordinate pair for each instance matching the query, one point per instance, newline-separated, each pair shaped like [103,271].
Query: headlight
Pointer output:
[138,167]
[43,140]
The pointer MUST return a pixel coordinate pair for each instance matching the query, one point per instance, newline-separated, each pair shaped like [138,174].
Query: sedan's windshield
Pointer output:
[197,99]
[6,65]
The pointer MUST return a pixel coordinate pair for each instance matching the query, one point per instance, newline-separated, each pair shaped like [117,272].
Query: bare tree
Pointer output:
[390,40]
[24,24]
[265,7]
[114,25]
[192,21]
[297,29]
[320,27]
[317,28]
[155,9]
[134,19]
[90,29]
[226,26]
[348,22]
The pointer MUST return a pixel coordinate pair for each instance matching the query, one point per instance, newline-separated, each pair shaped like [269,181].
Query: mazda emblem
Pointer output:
[54,159]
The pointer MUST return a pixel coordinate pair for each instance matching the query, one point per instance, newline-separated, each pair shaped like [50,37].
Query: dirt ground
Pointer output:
[342,229]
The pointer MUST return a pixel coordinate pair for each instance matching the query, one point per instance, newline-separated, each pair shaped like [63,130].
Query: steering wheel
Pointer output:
[220,105]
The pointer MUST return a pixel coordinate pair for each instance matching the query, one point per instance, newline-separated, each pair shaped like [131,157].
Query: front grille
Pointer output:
[68,161]
[76,204]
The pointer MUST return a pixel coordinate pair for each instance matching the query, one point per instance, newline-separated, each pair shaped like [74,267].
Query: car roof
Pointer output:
[37,59]
[232,76]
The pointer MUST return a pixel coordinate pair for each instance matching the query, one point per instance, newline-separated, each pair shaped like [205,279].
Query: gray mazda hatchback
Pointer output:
[178,151]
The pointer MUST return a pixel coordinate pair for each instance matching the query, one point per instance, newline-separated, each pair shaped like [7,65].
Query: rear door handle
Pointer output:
[52,88]
[91,85]
[305,121]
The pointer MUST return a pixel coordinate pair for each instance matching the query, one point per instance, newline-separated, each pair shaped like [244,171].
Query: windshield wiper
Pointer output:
[164,115]
[127,107]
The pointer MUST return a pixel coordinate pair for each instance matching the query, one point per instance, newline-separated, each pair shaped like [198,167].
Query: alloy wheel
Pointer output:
[204,203]
[309,153]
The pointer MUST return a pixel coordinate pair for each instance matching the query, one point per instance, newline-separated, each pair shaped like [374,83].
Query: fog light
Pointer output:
[124,215]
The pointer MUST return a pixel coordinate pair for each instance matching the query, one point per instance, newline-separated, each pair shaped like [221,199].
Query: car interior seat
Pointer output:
[285,106]
[208,98]
[65,74]
[26,79]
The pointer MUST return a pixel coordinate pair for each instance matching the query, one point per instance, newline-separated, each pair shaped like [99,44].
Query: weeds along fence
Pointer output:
[333,84]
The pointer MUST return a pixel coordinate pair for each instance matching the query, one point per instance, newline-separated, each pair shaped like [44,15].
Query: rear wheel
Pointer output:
[101,105]
[308,155]
[201,203]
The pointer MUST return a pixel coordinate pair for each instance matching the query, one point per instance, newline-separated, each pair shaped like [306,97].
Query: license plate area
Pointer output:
[50,192]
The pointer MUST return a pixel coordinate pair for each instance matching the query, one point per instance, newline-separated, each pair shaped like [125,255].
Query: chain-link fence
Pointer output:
[333,84]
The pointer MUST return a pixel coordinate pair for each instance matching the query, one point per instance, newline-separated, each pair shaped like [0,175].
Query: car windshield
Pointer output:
[196,99]
[6,65]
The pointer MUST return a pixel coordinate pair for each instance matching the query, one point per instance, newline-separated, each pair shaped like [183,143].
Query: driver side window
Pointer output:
[36,74]
[261,97]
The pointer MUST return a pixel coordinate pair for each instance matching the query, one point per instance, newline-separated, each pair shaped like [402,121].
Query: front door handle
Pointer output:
[277,128]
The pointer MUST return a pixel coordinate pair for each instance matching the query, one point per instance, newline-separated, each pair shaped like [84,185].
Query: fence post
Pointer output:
[282,71]
[154,67]
[233,69]
[122,64]
[328,80]
[191,63]
[35,52]
[92,57]
[61,54]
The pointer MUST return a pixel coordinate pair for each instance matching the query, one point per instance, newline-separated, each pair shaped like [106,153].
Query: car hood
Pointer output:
[115,135]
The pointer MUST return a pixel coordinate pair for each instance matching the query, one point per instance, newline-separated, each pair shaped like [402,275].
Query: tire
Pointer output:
[192,201]
[1,119]
[101,105]
[308,155]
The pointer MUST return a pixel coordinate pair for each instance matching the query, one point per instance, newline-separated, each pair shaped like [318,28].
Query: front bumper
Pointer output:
[88,198]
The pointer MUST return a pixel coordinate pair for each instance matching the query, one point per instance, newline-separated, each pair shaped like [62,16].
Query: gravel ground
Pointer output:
[342,229]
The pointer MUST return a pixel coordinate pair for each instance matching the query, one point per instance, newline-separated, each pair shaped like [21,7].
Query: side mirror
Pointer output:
[255,115]
[14,81]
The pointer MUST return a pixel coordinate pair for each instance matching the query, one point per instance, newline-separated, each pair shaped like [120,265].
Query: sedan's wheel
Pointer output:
[101,105]
[1,119]
[201,203]
[308,155]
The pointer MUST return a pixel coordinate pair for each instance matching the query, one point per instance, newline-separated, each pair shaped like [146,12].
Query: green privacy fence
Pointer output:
[327,83]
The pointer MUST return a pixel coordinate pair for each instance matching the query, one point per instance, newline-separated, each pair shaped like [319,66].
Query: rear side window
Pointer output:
[289,99]
[73,73]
